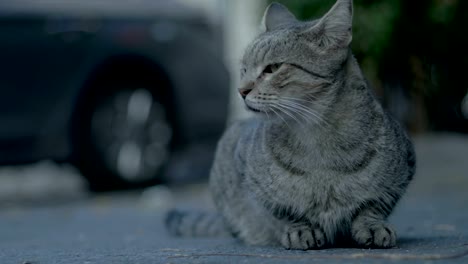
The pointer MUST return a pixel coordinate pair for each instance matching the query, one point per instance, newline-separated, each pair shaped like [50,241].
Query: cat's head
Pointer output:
[290,68]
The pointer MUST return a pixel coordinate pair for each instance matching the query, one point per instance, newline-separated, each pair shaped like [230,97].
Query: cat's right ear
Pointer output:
[275,16]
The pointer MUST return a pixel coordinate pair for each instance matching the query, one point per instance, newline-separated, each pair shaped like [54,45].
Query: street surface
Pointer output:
[46,216]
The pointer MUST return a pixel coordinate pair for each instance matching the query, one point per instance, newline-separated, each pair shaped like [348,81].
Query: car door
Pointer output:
[39,57]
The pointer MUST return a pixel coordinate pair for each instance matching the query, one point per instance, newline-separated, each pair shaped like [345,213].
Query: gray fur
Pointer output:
[321,162]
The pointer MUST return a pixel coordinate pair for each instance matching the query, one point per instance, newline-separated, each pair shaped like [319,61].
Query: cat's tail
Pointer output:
[196,224]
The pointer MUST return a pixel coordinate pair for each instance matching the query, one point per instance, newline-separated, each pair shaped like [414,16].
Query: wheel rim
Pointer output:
[131,133]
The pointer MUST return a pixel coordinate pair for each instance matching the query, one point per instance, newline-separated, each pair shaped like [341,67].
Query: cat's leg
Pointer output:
[296,231]
[371,230]
[248,221]
[303,236]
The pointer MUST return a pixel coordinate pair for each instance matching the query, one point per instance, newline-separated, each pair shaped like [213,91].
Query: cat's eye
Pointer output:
[271,68]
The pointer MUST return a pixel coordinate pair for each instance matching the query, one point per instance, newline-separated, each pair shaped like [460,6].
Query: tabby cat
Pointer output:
[321,161]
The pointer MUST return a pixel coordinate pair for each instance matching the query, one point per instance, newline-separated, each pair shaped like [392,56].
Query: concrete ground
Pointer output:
[46,216]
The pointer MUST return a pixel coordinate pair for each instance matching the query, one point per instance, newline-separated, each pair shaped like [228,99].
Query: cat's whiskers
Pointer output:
[288,109]
[318,119]
[298,99]
[285,111]
[307,115]
[268,116]
[300,106]
[311,111]
[273,107]
[310,99]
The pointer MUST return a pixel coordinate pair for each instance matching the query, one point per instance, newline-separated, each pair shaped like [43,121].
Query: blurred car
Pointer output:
[132,92]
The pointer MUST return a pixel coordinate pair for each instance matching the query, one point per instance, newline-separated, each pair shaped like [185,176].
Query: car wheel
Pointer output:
[125,139]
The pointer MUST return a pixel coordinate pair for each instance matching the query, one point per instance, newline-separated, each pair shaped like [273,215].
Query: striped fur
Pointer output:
[321,162]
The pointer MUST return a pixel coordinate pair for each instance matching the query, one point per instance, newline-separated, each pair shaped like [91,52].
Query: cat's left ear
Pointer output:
[335,28]
[275,16]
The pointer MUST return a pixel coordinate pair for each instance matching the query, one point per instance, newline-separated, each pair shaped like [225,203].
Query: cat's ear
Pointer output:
[276,15]
[335,28]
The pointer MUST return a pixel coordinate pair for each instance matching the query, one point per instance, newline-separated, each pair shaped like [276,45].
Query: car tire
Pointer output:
[124,136]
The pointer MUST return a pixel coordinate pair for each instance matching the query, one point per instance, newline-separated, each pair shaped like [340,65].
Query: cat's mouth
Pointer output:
[253,109]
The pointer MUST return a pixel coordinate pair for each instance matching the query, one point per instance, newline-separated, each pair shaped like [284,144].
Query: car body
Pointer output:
[60,61]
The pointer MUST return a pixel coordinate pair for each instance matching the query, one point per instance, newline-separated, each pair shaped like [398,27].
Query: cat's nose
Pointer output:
[244,92]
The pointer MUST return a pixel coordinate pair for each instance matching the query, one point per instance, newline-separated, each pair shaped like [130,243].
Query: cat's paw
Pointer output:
[302,237]
[375,235]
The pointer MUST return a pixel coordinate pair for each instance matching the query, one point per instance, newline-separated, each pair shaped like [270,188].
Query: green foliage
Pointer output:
[442,12]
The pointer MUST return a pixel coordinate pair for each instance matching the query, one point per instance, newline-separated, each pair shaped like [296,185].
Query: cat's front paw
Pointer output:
[375,235]
[302,237]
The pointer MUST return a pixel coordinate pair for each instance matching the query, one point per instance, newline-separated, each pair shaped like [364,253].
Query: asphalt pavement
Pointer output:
[46,223]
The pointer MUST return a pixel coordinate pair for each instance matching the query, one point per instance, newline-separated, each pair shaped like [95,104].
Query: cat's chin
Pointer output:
[255,111]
